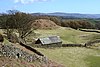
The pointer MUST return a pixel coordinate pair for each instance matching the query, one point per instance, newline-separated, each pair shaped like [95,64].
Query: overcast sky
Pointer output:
[49,6]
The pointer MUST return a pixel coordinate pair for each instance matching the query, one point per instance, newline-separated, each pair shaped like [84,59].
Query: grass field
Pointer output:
[68,35]
[93,61]
[71,56]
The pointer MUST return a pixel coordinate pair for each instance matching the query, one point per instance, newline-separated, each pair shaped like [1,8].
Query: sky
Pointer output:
[50,6]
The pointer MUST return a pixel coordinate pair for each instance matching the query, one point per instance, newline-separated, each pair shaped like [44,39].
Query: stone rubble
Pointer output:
[13,52]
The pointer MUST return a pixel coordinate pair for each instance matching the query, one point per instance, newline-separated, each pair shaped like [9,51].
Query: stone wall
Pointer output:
[72,45]
[90,43]
[87,30]
[13,52]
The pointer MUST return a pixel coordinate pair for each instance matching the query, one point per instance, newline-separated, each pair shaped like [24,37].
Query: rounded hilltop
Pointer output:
[44,24]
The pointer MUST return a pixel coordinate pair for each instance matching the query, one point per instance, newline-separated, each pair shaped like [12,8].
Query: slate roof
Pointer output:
[50,40]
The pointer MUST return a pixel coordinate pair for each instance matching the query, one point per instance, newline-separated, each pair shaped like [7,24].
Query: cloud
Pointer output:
[29,1]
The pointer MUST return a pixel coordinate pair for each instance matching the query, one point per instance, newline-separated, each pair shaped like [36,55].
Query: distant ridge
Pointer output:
[76,15]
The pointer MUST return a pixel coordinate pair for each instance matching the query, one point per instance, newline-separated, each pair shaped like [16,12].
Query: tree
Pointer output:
[19,21]
[23,24]
[97,25]
[4,23]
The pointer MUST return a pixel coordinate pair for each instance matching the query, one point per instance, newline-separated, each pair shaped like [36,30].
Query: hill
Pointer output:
[67,15]
[68,35]
[44,24]
[9,57]
[72,56]
[68,56]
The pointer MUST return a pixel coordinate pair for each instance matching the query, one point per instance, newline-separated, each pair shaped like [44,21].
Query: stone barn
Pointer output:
[51,41]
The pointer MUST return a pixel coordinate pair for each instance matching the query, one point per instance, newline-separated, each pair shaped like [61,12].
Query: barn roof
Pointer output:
[50,40]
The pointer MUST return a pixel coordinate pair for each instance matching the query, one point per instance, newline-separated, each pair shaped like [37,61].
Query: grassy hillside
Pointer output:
[67,35]
[93,61]
[11,62]
[73,56]
[70,56]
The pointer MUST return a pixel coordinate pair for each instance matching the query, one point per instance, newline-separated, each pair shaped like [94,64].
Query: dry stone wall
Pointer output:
[13,52]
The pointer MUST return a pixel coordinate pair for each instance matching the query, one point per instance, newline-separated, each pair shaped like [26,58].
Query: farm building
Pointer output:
[49,41]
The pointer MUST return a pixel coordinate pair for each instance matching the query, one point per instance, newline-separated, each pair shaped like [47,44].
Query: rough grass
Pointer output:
[71,56]
[67,35]
[10,62]
[93,61]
